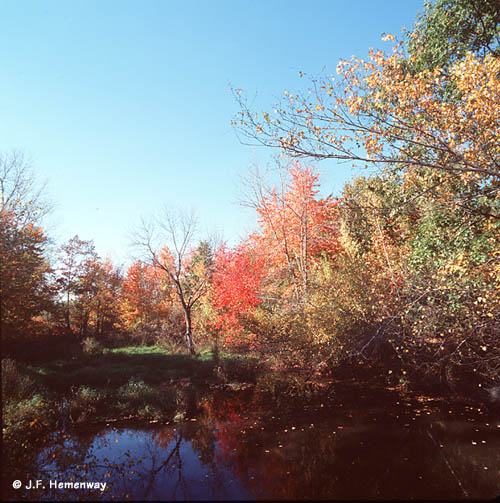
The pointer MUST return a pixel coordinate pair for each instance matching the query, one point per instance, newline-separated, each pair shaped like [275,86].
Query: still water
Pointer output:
[256,444]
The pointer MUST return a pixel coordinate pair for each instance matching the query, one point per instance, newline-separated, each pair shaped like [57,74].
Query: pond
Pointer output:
[269,443]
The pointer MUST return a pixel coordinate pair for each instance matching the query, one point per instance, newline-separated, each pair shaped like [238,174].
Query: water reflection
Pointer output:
[248,445]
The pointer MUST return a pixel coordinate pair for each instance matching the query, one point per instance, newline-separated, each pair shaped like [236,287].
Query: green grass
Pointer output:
[115,367]
[139,350]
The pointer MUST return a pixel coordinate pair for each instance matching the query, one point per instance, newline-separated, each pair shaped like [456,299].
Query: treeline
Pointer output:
[401,273]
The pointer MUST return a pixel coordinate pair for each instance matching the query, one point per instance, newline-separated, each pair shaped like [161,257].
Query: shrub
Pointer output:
[92,346]
[137,397]
[171,346]
[84,403]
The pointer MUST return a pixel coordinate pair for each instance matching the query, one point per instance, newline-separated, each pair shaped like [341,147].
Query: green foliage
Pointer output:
[448,29]
[32,414]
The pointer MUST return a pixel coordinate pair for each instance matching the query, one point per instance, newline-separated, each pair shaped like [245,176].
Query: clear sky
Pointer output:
[125,106]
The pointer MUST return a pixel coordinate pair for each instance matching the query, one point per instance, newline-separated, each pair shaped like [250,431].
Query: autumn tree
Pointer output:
[235,290]
[145,298]
[296,226]
[188,268]
[25,289]
[97,303]
[89,288]
[263,289]
[21,193]
[77,258]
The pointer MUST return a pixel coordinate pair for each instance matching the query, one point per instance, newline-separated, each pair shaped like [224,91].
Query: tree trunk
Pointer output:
[84,326]
[97,320]
[189,333]
[67,315]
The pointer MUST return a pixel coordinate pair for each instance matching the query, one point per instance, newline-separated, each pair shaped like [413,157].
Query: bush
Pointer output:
[84,403]
[92,346]
[139,398]
[171,346]
[27,414]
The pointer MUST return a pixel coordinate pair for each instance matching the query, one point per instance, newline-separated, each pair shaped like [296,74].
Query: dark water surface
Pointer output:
[258,444]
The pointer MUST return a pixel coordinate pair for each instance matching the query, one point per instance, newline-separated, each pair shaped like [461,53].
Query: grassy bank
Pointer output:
[132,382]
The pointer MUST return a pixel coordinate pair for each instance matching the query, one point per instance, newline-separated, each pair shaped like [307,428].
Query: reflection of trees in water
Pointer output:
[335,451]
[201,437]
[362,451]
[242,433]
[158,465]
[66,459]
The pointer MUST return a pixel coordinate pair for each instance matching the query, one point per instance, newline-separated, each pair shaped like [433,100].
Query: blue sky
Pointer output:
[126,106]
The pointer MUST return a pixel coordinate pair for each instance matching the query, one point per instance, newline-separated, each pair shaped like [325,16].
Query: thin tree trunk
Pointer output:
[189,333]
[67,314]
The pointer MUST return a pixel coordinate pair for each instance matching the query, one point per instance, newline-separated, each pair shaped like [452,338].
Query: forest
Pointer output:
[395,282]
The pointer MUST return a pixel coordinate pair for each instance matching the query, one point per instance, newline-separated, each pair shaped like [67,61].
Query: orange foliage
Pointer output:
[297,227]
[144,294]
